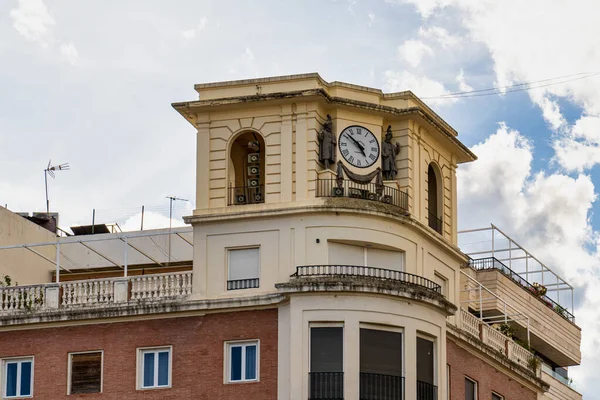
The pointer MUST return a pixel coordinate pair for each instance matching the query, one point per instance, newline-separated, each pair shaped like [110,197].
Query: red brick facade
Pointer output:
[198,355]
[463,364]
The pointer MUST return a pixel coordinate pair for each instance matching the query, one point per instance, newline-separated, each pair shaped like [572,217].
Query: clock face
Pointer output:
[359,146]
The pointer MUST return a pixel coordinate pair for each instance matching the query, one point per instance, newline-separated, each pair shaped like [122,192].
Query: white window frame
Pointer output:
[241,343]
[3,379]
[228,267]
[140,367]
[476,387]
[70,356]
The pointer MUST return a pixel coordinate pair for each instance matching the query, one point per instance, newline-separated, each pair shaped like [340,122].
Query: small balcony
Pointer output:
[426,391]
[381,387]
[326,386]
[95,293]
[435,223]
[366,191]
[366,272]
[243,284]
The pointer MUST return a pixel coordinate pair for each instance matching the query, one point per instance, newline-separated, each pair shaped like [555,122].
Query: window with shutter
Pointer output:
[243,270]
[85,372]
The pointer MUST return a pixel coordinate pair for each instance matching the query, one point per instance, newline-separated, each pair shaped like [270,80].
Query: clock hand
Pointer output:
[360,146]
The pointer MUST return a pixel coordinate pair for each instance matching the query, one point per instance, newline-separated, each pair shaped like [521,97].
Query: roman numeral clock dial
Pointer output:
[358,146]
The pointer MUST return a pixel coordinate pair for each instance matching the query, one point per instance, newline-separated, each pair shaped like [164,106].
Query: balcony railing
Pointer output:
[493,263]
[381,387]
[239,195]
[326,386]
[366,191]
[435,223]
[95,292]
[426,391]
[243,284]
[371,272]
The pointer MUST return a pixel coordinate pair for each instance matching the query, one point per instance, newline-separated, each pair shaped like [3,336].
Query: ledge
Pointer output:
[367,285]
[138,308]
[474,342]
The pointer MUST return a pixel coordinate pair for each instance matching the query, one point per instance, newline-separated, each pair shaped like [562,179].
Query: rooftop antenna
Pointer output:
[50,171]
[171,199]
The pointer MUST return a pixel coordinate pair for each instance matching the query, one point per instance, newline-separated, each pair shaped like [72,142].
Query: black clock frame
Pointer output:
[376,141]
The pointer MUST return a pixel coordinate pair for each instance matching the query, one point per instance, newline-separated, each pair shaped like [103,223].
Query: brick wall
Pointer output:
[198,354]
[464,364]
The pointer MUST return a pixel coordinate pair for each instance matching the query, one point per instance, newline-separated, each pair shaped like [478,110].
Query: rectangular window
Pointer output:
[426,388]
[242,361]
[470,389]
[243,268]
[154,368]
[380,364]
[326,362]
[18,377]
[496,396]
[85,372]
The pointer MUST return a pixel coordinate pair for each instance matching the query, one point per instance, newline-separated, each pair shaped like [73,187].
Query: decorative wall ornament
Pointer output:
[327,143]
[389,152]
[358,178]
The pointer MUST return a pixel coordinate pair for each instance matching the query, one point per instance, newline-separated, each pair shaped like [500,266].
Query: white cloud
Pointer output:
[372,18]
[152,220]
[546,213]
[33,21]
[69,52]
[462,84]
[419,85]
[193,32]
[412,51]
[440,35]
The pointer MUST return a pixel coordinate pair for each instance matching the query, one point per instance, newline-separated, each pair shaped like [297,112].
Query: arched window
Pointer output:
[434,198]
[247,169]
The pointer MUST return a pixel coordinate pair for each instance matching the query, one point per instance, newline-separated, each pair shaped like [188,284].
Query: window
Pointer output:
[243,268]
[434,197]
[326,362]
[154,368]
[380,364]
[426,388]
[85,372]
[242,361]
[442,281]
[17,377]
[348,254]
[470,389]
[496,396]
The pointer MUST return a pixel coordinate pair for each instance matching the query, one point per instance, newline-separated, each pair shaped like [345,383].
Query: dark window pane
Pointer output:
[326,349]
[236,363]
[470,390]
[148,369]
[26,378]
[250,362]
[86,372]
[425,360]
[163,368]
[11,379]
[496,397]
[380,352]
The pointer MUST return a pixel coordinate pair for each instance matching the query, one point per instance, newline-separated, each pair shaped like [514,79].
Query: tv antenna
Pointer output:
[171,199]
[50,171]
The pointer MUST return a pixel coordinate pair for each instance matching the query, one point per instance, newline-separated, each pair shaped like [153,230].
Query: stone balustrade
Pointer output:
[495,339]
[95,292]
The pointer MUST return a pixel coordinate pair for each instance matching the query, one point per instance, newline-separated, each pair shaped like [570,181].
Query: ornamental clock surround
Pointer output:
[359,146]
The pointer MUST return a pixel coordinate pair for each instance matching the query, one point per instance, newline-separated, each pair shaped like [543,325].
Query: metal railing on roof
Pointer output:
[493,242]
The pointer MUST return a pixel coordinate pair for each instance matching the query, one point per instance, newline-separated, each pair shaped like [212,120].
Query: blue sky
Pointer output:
[90,83]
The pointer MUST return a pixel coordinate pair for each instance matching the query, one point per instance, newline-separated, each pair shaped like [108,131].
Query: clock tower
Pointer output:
[338,202]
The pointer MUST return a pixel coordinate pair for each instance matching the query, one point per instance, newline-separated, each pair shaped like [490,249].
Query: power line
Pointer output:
[519,87]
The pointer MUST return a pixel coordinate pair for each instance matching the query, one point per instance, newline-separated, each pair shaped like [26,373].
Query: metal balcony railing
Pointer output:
[326,386]
[493,263]
[239,195]
[381,387]
[243,284]
[371,272]
[426,391]
[366,191]
[435,223]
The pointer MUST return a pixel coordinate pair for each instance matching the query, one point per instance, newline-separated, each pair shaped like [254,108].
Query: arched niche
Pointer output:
[435,197]
[246,169]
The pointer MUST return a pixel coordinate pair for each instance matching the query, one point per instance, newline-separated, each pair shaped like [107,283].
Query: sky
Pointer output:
[90,83]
